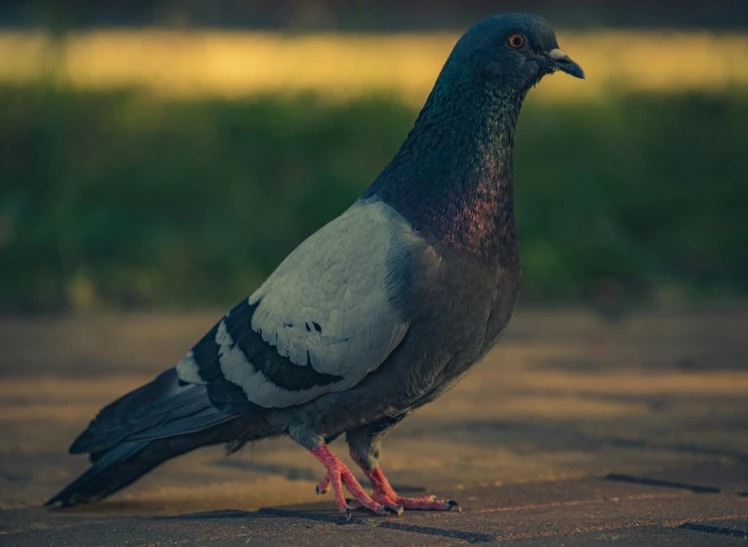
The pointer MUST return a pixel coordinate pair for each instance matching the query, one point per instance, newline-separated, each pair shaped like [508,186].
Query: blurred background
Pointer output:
[168,154]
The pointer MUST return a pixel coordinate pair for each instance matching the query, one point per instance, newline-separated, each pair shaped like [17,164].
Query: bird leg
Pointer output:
[386,495]
[338,475]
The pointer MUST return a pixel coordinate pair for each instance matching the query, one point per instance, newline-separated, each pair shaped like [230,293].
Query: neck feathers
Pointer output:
[452,178]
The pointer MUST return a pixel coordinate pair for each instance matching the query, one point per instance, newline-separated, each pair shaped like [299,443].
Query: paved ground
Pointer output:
[573,432]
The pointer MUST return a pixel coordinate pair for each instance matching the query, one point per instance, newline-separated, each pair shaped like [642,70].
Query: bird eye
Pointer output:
[516,40]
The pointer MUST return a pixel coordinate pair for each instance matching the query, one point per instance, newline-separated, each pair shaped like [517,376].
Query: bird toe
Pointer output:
[346,514]
[396,510]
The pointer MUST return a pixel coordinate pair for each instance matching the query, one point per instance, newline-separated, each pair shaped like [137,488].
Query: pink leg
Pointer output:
[338,475]
[386,495]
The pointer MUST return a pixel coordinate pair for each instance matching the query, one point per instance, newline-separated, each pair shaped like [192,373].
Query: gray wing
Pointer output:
[320,323]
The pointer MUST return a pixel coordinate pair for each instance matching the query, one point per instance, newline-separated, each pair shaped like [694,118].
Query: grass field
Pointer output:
[175,169]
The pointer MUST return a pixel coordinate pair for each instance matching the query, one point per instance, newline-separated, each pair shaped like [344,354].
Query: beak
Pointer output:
[558,60]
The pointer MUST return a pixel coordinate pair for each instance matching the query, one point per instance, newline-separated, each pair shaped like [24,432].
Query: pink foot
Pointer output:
[384,493]
[338,475]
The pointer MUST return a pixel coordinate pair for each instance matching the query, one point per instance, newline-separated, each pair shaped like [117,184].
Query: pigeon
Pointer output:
[376,314]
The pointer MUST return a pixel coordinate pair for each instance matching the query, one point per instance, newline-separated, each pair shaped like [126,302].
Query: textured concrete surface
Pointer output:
[573,432]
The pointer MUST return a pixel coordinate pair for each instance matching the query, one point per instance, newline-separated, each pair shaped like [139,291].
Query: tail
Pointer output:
[143,429]
[118,468]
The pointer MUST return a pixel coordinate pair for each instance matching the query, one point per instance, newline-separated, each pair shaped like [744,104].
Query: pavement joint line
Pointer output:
[570,503]
[697,489]
[622,526]
[474,537]
[733,532]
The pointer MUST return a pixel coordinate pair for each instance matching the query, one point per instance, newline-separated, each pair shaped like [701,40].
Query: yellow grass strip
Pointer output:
[182,63]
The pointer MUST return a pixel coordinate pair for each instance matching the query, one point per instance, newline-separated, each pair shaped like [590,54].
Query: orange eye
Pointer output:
[516,40]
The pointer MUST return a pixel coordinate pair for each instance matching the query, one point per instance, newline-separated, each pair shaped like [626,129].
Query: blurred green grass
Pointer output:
[123,198]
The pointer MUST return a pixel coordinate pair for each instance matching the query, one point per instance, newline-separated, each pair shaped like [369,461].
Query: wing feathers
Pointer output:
[320,323]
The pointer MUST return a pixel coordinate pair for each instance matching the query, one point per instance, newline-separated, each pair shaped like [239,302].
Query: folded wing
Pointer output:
[320,323]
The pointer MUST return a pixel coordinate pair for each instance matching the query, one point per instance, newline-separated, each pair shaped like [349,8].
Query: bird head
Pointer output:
[514,50]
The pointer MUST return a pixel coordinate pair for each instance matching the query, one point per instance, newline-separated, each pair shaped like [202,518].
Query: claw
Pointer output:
[345,516]
[454,505]
[396,510]
[323,486]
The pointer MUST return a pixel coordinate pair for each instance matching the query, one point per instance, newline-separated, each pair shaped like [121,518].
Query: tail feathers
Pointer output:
[138,432]
[114,470]
[183,426]
[124,464]
[163,408]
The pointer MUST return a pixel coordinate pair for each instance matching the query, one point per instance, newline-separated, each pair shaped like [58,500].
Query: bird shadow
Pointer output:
[317,512]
